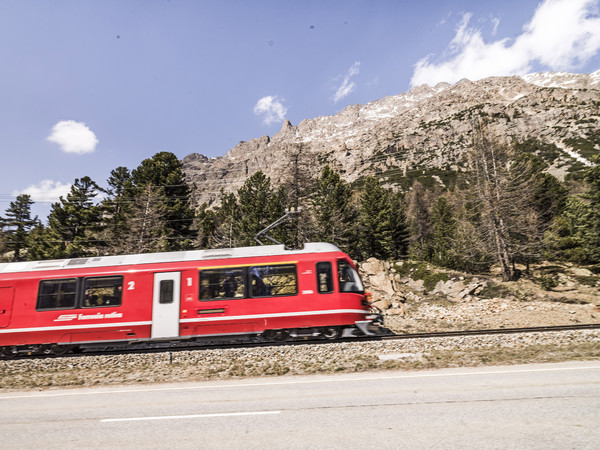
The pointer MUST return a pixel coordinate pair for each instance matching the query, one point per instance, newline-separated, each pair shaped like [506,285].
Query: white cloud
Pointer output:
[73,137]
[495,24]
[347,86]
[271,108]
[562,35]
[46,191]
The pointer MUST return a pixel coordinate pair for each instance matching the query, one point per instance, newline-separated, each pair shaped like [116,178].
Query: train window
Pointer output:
[102,291]
[324,278]
[270,281]
[57,294]
[349,279]
[225,283]
[166,291]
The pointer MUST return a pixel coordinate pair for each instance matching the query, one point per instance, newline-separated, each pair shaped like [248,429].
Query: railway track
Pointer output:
[255,342]
[589,326]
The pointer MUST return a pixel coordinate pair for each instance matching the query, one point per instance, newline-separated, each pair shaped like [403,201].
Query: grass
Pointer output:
[547,282]
[495,290]
[591,280]
[422,271]
[508,356]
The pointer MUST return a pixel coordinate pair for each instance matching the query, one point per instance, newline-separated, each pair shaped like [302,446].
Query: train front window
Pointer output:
[272,281]
[57,294]
[219,284]
[349,279]
[102,291]
[324,278]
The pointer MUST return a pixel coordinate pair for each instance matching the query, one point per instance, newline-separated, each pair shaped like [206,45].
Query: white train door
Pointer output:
[165,304]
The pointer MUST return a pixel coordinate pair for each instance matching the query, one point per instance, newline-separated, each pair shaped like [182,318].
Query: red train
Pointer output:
[55,306]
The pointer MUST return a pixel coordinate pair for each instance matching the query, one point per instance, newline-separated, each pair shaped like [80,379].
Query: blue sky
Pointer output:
[87,86]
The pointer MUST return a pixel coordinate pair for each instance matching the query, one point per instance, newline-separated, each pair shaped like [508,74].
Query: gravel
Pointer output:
[197,365]
[487,313]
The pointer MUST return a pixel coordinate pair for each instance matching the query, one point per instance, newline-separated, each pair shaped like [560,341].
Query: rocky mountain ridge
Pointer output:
[423,133]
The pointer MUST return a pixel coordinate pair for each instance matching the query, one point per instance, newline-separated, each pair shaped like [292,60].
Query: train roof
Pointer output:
[150,258]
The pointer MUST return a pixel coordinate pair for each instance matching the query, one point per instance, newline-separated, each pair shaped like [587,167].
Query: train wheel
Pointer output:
[331,332]
[60,349]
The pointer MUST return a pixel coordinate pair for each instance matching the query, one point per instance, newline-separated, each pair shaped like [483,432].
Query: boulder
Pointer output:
[382,283]
[372,266]
[415,285]
[449,288]
[382,304]
[457,290]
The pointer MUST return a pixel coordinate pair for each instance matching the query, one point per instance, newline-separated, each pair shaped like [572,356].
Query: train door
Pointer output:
[165,304]
[6,300]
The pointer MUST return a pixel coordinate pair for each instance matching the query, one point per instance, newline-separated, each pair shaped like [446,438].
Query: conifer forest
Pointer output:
[507,210]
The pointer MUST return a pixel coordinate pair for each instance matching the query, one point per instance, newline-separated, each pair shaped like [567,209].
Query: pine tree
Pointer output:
[575,234]
[43,243]
[443,226]
[224,225]
[116,209]
[73,224]
[3,249]
[163,172]
[204,225]
[400,233]
[17,225]
[333,211]
[259,206]
[381,226]
[241,216]
[567,239]
[592,177]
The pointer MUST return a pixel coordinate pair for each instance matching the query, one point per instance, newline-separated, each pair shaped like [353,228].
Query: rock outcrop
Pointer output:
[424,132]
[404,297]
[460,301]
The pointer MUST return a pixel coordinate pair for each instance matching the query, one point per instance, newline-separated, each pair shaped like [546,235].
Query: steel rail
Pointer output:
[228,344]
[490,331]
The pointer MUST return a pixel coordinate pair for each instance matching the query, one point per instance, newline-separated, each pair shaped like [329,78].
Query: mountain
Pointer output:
[421,134]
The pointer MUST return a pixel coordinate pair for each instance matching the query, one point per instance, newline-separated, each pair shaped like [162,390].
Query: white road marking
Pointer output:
[307,381]
[192,416]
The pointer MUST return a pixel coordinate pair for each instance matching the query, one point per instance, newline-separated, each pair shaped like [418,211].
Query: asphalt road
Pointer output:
[537,406]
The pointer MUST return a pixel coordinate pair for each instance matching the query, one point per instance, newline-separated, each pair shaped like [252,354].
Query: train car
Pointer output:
[55,306]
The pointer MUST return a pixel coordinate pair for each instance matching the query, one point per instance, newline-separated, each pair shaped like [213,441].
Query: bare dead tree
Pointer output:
[146,223]
[418,204]
[227,218]
[300,183]
[502,193]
